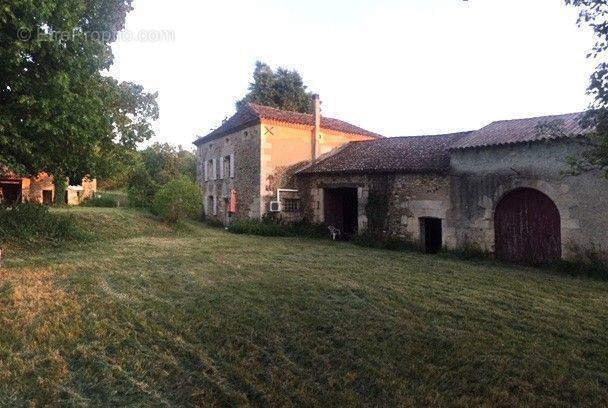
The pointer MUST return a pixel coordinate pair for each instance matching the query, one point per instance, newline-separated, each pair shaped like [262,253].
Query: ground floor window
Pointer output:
[290,205]
[211,205]
[431,234]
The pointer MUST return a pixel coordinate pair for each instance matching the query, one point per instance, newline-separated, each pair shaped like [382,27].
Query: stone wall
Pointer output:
[408,197]
[33,188]
[245,148]
[266,157]
[312,187]
[415,196]
[481,177]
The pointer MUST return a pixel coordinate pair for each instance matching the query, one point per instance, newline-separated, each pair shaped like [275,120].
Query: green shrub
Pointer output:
[270,227]
[306,229]
[108,199]
[141,188]
[178,200]
[257,227]
[212,222]
[33,223]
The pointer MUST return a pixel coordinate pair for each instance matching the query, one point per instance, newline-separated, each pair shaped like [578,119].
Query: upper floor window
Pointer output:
[219,168]
[228,166]
[209,170]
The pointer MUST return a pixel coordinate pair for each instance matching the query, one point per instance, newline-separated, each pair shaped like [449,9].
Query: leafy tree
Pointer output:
[158,165]
[594,13]
[141,187]
[58,113]
[165,162]
[283,89]
[178,200]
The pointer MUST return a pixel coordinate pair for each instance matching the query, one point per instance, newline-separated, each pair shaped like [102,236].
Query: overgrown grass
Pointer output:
[150,315]
[35,225]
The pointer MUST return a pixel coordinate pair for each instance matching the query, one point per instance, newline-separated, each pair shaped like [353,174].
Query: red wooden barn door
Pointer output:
[528,228]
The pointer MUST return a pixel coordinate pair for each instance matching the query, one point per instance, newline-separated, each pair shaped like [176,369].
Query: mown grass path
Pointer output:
[145,315]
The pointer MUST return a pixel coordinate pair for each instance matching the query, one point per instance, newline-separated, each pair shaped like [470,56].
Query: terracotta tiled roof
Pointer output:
[409,154]
[7,173]
[524,130]
[252,114]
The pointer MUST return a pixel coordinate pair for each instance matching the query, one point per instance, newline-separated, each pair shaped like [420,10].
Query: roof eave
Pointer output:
[519,142]
[375,171]
[216,135]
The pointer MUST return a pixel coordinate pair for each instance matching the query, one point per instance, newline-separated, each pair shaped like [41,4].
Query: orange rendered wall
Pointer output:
[285,146]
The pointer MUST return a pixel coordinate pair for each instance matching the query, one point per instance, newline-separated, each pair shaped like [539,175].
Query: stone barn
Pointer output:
[507,190]
[398,187]
[514,195]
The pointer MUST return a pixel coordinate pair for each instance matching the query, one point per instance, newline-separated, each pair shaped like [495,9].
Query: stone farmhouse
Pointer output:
[243,163]
[506,189]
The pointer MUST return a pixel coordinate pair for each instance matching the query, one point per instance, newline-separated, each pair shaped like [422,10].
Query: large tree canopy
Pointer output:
[283,89]
[595,14]
[58,113]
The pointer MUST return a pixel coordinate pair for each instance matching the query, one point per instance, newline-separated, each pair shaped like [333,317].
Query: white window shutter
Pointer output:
[214,205]
[222,168]
[214,168]
[232,165]
[205,173]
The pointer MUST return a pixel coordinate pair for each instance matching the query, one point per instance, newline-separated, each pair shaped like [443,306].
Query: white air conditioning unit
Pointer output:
[275,206]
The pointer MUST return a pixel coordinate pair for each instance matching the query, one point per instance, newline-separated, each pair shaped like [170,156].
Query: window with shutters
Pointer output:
[210,205]
[221,168]
[227,168]
[209,169]
[216,168]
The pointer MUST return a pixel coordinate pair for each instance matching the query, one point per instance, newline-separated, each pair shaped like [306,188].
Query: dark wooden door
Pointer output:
[333,209]
[342,210]
[528,228]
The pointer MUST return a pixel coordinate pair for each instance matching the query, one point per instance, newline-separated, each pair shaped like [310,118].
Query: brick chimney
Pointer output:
[316,132]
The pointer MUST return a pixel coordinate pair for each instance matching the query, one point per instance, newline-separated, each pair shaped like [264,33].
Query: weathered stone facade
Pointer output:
[243,147]
[39,189]
[435,191]
[265,156]
[465,197]
[481,177]
[409,197]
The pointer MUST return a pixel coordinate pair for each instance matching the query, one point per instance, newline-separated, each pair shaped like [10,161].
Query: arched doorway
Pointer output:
[527,227]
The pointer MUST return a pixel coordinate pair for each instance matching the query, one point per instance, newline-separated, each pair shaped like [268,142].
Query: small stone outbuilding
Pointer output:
[399,187]
[17,188]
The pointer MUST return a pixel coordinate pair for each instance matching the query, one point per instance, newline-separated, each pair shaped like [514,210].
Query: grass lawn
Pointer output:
[148,315]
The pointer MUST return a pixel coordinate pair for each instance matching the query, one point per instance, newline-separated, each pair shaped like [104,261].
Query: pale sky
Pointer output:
[395,67]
